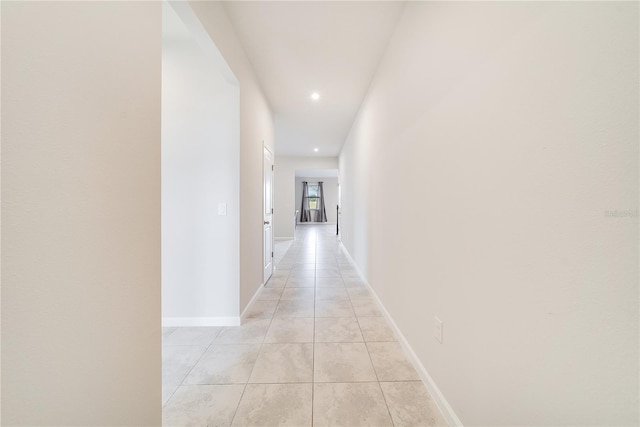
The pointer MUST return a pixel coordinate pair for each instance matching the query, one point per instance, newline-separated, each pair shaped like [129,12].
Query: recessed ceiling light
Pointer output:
[315,96]
[315,149]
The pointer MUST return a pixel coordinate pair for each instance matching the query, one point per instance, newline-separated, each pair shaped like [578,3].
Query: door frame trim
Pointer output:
[267,149]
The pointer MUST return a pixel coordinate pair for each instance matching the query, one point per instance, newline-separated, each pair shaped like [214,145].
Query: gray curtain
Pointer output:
[322,212]
[305,213]
[316,215]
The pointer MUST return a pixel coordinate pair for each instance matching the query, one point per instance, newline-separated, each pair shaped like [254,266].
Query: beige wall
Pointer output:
[81,213]
[256,128]
[476,183]
[284,187]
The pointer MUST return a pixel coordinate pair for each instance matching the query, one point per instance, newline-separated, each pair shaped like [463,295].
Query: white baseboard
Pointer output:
[212,321]
[200,321]
[251,302]
[444,406]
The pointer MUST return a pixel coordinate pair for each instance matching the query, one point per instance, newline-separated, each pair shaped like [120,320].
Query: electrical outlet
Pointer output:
[437,329]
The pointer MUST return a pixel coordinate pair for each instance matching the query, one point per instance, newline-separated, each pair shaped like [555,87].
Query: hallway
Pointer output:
[314,349]
[488,162]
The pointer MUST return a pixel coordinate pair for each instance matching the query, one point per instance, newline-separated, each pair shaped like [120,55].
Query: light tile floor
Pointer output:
[314,350]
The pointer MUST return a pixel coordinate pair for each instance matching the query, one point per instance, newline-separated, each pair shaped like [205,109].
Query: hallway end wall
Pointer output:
[491,180]
[284,189]
[256,131]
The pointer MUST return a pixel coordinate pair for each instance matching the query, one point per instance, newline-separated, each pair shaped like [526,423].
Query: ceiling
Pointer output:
[296,48]
[172,26]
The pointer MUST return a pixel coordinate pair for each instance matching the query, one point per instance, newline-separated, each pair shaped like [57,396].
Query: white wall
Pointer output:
[81,213]
[200,169]
[256,129]
[330,187]
[284,196]
[475,185]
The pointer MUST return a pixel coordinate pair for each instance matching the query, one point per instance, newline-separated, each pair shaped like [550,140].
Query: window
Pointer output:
[314,196]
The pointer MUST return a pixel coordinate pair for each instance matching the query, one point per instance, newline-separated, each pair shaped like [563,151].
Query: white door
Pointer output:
[268,214]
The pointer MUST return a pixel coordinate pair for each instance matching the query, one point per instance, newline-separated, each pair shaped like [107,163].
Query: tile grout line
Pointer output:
[367,348]
[322,251]
[193,367]
[313,332]
[250,373]
[313,360]
[235,413]
[238,405]
[373,367]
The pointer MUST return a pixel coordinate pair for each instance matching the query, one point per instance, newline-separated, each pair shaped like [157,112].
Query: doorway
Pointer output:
[268,214]
[200,176]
